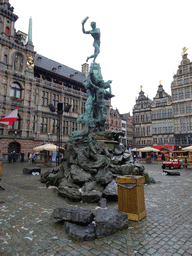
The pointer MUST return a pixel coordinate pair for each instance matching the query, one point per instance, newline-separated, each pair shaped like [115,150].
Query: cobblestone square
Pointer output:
[27,229]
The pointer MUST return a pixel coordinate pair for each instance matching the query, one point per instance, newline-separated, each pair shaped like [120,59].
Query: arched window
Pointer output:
[15,90]
[5,58]
[7,31]
[17,125]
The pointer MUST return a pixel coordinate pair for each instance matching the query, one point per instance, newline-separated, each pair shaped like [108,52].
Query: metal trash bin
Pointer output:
[131,196]
[1,165]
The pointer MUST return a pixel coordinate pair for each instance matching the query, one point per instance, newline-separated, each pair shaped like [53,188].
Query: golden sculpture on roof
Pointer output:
[184,50]
[159,81]
[141,87]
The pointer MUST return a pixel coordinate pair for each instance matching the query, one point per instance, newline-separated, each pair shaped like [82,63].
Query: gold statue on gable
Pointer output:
[184,50]
[30,62]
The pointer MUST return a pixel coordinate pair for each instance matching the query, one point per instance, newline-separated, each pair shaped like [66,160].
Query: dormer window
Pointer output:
[53,69]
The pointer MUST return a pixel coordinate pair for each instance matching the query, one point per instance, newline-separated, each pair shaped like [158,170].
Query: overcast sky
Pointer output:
[141,40]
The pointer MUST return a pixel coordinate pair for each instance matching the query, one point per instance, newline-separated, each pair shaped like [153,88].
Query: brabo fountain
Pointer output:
[93,158]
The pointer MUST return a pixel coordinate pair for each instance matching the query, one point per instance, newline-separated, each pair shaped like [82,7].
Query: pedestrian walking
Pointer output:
[14,157]
[30,158]
[33,158]
[185,164]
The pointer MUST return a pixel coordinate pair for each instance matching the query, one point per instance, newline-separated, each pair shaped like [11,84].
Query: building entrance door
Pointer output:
[14,146]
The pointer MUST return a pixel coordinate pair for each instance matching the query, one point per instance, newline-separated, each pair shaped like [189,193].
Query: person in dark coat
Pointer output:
[10,157]
[14,157]
[163,157]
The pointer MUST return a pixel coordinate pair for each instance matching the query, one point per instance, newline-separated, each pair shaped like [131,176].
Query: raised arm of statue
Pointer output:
[83,28]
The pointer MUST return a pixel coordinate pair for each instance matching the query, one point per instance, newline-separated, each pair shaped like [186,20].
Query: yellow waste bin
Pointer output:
[1,164]
[131,198]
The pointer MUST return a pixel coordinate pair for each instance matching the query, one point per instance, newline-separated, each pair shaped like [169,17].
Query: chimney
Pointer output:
[85,69]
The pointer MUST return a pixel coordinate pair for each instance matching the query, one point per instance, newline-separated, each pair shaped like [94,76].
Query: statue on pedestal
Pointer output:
[95,32]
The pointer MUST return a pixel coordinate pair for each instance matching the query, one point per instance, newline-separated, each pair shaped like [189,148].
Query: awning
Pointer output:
[172,147]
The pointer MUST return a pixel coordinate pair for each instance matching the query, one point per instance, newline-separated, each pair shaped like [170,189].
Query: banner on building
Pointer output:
[11,118]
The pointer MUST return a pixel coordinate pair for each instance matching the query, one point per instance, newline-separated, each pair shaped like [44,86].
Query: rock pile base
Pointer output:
[81,225]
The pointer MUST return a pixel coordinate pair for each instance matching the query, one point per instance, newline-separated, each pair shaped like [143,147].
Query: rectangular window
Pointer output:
[55,100]
[181,96]
[187,93]
[185,69]
[54,127]
[186,80]
[44,99]
[83,107]
[188,107]
[182,108]
[65,127]
[44,123]
[175,95]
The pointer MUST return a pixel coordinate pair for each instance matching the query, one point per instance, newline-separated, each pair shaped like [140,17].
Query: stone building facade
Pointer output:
[128,129]
[181,90]
[33,82]
[162,118]
[142,135]
[115,120]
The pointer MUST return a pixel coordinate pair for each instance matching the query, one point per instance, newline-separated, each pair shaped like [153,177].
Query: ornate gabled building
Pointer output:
[33,82]
[162,118]
[181,89]
[115,120]
[142,135]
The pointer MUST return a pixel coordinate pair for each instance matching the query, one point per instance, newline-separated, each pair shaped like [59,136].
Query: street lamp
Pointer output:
[59,124]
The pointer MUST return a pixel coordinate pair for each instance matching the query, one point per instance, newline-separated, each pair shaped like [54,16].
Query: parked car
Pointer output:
[173,164]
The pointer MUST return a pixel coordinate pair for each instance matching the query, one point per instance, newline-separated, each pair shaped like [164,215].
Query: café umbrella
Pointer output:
[47,147]
[148,149]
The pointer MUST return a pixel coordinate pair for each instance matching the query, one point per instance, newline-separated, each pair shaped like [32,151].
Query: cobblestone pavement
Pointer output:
[26,227]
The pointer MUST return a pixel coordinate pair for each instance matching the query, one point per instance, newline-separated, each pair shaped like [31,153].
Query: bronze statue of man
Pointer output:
[95,32]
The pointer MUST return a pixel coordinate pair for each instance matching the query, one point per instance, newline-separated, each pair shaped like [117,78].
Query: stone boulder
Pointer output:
[91,192]
[119,149]
[111,191]
[30,169]
[79,175]
[80,233]
[72,214]
[70,190]
[104,177]
[126,156]
[109,221]
[117,159]
[172,172]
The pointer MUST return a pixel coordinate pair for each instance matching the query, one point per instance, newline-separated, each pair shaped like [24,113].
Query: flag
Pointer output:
[11,118]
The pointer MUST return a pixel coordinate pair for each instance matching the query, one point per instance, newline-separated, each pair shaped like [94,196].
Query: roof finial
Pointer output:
[184,50]
[141,87]
[30,41]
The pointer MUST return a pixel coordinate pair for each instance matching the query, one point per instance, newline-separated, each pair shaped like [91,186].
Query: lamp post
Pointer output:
[59,125]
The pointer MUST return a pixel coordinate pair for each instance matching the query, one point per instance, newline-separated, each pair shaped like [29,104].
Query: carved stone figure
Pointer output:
[18,64]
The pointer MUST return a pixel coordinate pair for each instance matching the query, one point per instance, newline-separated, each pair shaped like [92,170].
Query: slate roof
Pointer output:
[58,68]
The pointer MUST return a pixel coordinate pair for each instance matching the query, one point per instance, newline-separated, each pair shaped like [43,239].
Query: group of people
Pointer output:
[12,158]
[31,158]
